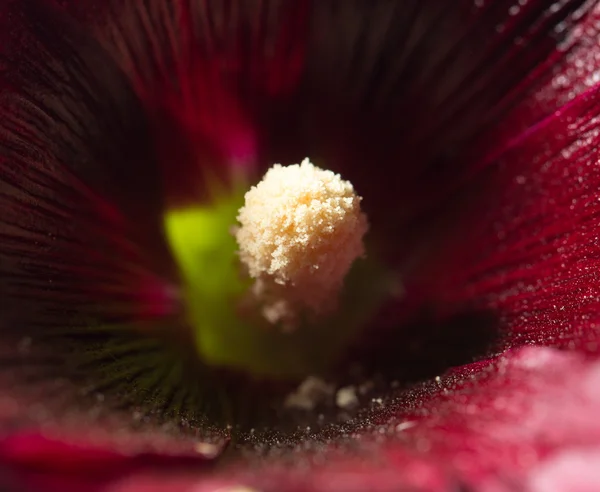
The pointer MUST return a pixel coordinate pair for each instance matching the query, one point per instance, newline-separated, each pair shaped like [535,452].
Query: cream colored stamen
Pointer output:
[301,230]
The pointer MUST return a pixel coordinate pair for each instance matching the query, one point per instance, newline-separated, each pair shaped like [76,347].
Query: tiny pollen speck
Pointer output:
[207,449]
[301,230]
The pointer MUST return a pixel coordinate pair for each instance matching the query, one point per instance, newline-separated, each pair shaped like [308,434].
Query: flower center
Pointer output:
[301,231]
[270,282]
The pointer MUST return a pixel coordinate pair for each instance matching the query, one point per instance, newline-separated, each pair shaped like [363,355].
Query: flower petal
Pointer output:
[78,178]
[44,463]
[495,426]
[538,248]
[206,72]
[82,249]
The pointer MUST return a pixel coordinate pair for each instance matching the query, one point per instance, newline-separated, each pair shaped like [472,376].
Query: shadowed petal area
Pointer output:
[83,257]
[80,189]
[206,72]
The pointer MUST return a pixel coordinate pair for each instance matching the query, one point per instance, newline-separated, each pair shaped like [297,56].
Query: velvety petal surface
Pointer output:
[537,253]
[518,422]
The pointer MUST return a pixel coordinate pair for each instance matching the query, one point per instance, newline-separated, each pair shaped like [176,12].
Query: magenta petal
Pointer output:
[536,256]
[573,470]
[44,463]
[578,71]
[37,451]
[204,71]
[508,424]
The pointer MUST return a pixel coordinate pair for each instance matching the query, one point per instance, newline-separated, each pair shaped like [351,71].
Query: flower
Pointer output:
[478,124]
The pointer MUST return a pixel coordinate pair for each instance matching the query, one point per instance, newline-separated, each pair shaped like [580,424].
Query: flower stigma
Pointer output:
[275,280]
[301,230]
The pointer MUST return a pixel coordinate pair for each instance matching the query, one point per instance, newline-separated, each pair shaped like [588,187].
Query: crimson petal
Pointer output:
[497,426]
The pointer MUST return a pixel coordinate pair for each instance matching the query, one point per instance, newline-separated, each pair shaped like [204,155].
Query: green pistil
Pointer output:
[229,331]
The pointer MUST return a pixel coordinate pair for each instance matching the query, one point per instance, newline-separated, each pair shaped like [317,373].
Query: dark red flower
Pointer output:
[471,130]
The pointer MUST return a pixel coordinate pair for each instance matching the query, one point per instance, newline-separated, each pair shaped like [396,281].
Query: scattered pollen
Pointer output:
[312,392]
[301,230]
[346,398]
[208,450]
